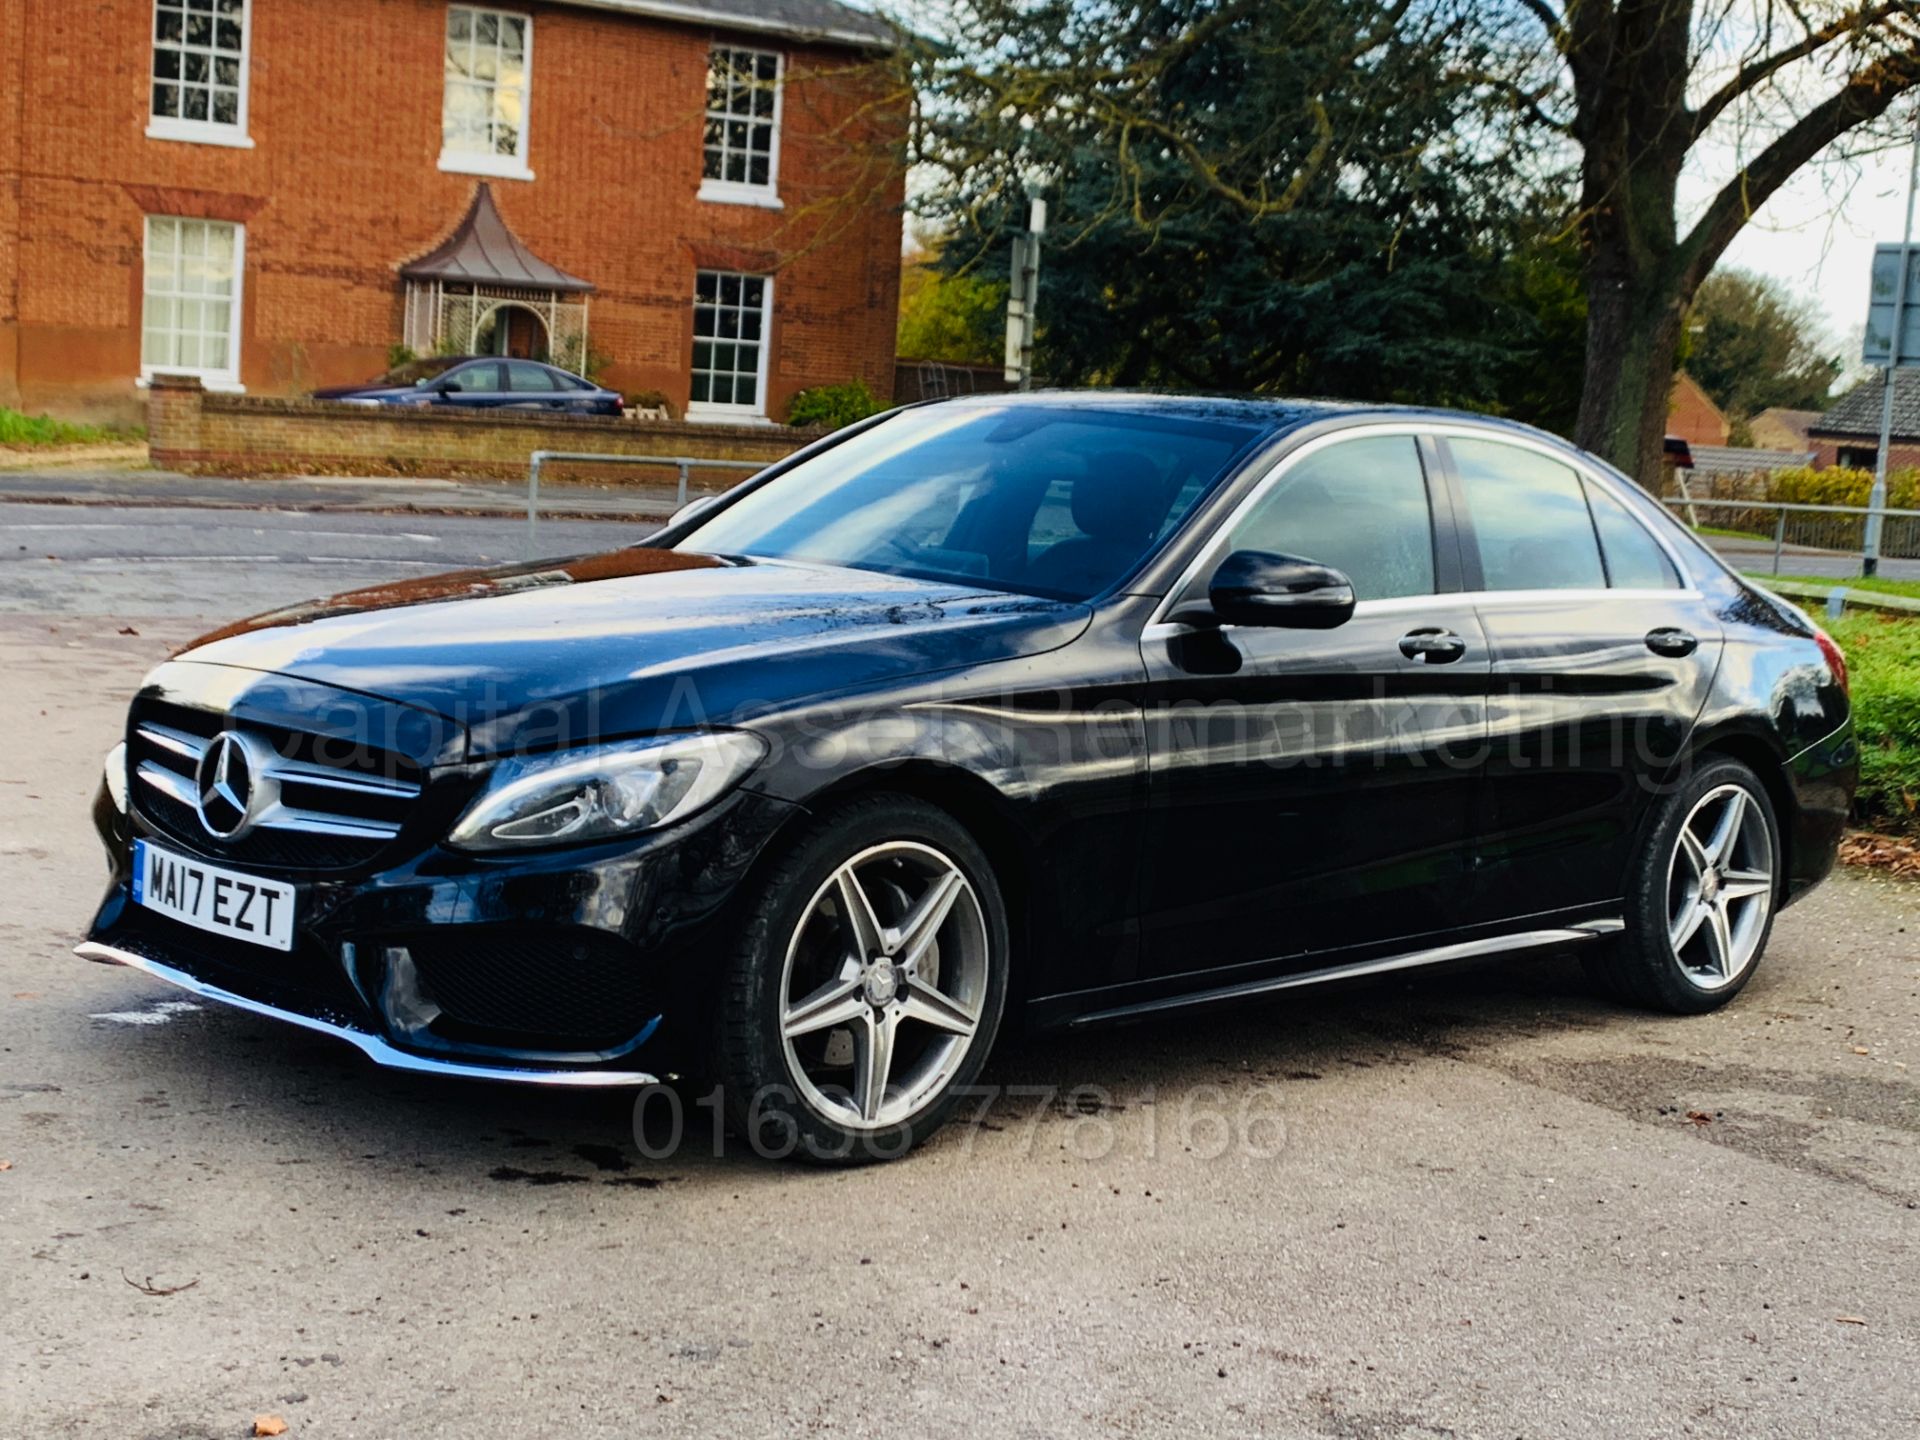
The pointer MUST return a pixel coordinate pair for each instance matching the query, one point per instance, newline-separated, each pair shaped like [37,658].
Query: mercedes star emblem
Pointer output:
[224,787]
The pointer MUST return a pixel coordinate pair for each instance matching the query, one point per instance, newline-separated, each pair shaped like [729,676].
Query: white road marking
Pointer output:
[304,534]
[191,559]
[158,1013]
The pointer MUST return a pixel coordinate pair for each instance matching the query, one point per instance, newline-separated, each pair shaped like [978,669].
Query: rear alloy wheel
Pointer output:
[1720,885]
[868,986]
[1701,900]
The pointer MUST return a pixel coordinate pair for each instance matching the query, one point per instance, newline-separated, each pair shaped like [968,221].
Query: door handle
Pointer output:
[1671,640]
[1435,647]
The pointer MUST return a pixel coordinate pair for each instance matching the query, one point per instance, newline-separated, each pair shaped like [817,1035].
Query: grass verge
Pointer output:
[1879,585]
[1883,657]
[43,432]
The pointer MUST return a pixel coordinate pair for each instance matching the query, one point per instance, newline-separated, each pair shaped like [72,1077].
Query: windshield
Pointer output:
[417,372]
[1040,500]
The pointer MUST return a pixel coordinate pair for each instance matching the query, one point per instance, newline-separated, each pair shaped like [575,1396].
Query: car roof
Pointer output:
[1273,414]
[543,364]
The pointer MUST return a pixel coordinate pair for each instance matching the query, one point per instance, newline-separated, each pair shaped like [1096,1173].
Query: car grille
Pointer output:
[542,988]
[333,810]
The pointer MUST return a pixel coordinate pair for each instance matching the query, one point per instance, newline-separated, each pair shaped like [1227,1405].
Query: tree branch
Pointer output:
[1556,27]
[1866,96]
[1763,69]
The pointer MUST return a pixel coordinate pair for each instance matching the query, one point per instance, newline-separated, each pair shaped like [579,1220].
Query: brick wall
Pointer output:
[13,61]
[342,186]
[192,430]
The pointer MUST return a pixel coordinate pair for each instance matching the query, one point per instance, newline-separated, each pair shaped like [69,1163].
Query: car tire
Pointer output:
[821,994]
[1701,896]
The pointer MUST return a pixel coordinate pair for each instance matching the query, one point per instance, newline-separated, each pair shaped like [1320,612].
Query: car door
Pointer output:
[532,387]
[477,386]
[1313,791]
[1602,659]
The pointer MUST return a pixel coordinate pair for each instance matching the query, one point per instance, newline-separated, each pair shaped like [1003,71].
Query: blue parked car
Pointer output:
[482,382]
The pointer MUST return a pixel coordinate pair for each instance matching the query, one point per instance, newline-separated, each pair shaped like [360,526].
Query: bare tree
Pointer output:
[1647,88]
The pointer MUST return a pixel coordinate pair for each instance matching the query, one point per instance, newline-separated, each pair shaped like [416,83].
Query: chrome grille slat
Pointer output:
[309,774]
[192,747]
[313,822]
[168,782]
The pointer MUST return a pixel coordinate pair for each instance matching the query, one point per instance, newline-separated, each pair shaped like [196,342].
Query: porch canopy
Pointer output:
[456,292]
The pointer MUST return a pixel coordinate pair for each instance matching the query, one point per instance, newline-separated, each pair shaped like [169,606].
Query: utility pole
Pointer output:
[1023,296]
[1877,499]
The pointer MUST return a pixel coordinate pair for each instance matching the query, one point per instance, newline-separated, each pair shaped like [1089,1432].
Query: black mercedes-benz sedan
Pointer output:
[1051,710]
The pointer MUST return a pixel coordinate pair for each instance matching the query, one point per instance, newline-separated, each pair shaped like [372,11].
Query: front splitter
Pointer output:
[373,1047]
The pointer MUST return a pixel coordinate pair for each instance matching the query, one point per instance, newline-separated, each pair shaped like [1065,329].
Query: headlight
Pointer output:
[116,776]
[604,791]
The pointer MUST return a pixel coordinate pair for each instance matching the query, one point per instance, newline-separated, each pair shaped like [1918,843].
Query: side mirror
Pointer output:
[448,387]
[1254,587]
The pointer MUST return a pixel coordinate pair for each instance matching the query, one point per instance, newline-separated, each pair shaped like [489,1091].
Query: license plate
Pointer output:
[225,902]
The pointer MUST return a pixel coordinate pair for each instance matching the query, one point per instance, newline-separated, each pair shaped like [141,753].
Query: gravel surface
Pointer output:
[1478,1205]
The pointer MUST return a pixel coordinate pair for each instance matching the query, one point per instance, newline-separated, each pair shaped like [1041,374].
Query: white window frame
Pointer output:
[226,377]
[208,131]
[707,410]
[741,192]
[469,162]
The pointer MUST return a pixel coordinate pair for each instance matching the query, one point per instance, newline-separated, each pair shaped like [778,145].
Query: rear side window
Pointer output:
[1359,506]
[1635,560]
[526,378]
[1530,519]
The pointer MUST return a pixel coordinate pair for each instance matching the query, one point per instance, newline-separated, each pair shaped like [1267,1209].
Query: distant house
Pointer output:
[1693,416]
[1849,433]
[273,197]
[1778,428]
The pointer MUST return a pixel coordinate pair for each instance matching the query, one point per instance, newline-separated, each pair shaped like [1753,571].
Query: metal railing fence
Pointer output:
[1833,529]
[684,465]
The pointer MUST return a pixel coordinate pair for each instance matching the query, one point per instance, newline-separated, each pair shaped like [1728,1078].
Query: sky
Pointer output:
[1816,236]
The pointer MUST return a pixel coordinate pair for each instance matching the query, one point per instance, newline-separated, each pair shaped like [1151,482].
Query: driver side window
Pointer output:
[480,379]
[1359,506]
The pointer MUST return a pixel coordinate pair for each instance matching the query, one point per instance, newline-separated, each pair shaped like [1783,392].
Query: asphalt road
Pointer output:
[1480,1205]
[182,560]
[1832,564]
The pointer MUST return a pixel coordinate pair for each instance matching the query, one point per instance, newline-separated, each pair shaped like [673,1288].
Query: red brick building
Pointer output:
[266,193]
[1692,415]
[1848,434]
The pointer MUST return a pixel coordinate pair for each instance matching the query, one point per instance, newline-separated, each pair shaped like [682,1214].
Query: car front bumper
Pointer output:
[577,968]
[380,1051]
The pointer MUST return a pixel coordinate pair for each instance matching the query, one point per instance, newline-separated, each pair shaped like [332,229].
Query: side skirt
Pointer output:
[1383,965]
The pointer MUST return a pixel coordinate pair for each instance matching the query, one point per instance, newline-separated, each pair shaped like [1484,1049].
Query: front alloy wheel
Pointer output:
[866,987]
[883,985]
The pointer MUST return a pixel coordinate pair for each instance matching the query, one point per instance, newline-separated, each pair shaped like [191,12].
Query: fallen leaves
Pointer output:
[269,1425]
[1699,1117]
[1883,852]
[6,1164]
[1849,1320]
[147,1287]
